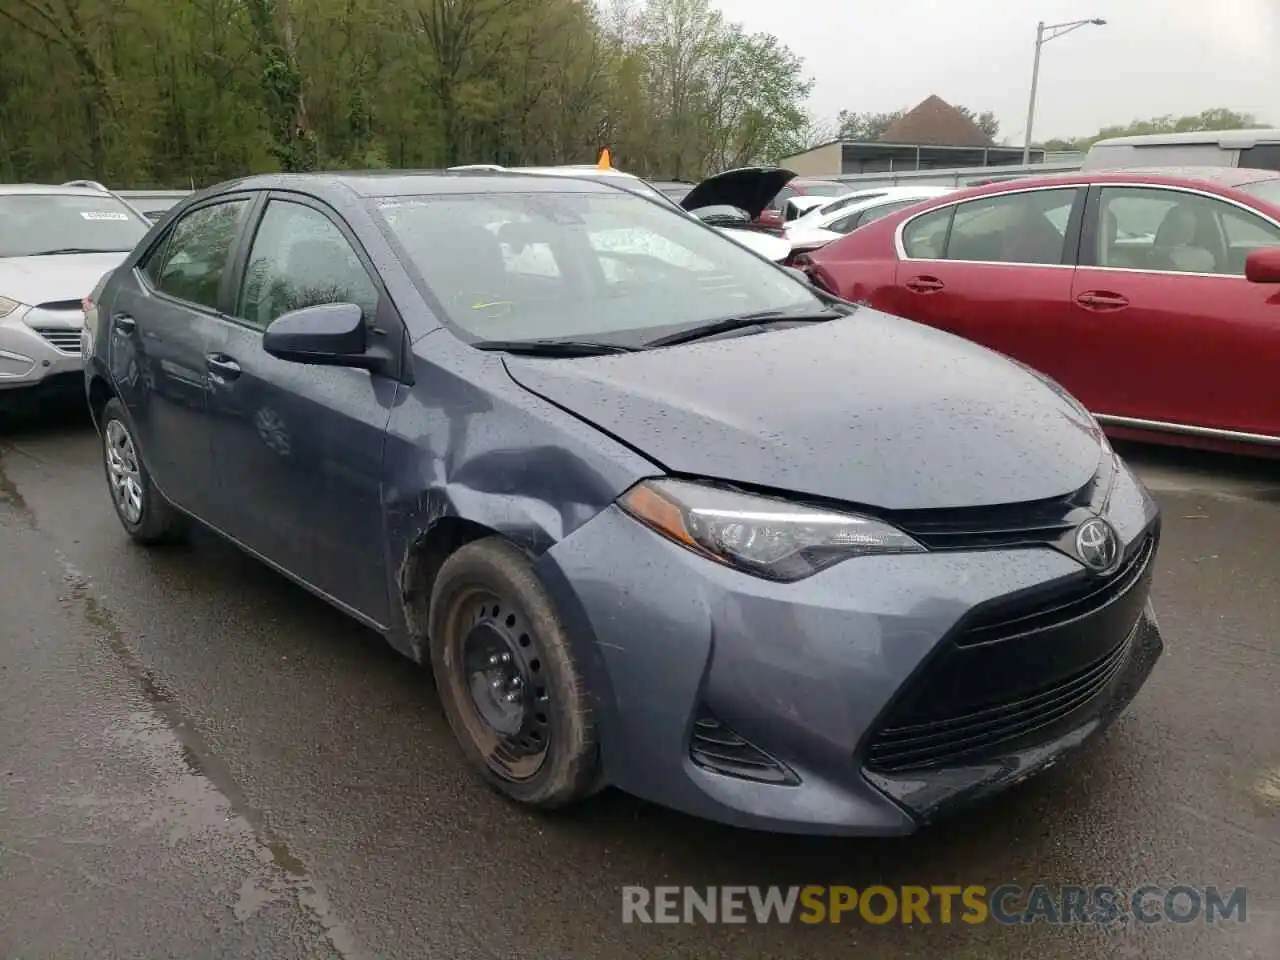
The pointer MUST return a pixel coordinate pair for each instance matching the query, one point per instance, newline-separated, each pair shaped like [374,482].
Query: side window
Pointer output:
[189,264]
[1171,231]
[844,224]
[1028,228]
[883,210]
[1265,156]
[925,237]
[155,259]
[301,259]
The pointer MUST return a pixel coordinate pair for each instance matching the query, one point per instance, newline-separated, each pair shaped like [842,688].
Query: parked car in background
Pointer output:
[1152,295]
[730,202]
[1254,149]
[831,222]
[773,213]
[823,608]
[153,204]
[677,190]
[56,242]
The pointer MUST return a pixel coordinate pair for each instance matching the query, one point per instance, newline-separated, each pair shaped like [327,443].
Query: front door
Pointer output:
[996,270]
[160,322]
[1175,334]
[298,454]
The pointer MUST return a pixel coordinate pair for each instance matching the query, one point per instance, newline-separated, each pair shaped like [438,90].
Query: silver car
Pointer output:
[56,243]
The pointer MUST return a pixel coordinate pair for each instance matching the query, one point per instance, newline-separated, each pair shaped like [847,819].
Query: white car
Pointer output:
[56,242]
[748,190]
[830,222]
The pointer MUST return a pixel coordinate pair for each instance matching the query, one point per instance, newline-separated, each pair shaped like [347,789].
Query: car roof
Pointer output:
[49,189]
[1227,139]
[407,183]
[1222,177]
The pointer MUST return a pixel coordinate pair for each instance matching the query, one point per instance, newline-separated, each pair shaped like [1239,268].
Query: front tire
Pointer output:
[507,678]
[145,515]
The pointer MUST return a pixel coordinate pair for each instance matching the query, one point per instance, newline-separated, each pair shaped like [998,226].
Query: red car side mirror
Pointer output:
[1263,266]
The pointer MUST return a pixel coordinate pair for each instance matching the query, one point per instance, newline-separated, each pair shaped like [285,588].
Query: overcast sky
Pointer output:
[1153,57]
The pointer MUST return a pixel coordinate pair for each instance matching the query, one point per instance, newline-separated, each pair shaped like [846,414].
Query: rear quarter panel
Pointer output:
[861,266]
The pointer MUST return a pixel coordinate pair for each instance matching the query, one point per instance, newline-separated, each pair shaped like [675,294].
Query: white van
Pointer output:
[1255,149]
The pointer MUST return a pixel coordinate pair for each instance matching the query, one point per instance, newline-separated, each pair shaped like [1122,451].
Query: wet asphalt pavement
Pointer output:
[198,759]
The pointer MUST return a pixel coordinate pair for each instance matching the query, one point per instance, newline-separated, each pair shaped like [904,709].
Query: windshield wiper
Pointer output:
[63,250]
[743,321]
[553,348]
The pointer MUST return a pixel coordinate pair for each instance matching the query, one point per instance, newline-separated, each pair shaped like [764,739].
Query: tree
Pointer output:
[866,126]
[1218,118]
[181,93]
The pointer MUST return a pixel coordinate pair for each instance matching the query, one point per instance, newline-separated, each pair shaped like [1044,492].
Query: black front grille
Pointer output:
[1034,523]
[717,747]
[952,740]
[1084,595]
[1015,669]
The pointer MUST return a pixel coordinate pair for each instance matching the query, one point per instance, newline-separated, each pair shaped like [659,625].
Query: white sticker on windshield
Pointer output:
[103,215]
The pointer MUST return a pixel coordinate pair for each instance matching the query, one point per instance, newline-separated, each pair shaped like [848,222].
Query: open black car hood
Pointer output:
[747,188]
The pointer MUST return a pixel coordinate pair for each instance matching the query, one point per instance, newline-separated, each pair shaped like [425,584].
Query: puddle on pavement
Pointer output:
[194,795]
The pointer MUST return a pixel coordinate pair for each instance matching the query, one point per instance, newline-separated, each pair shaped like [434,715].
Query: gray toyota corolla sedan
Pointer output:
[657,514]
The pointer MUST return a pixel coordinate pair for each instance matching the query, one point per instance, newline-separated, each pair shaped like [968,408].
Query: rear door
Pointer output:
[997,270]
[298,451]
[1176,334]
[159,324]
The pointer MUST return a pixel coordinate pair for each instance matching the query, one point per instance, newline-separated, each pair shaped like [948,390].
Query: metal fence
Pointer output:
[958,176]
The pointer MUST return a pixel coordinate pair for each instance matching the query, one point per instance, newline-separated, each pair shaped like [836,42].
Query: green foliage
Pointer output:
[171,93]
[1218,118]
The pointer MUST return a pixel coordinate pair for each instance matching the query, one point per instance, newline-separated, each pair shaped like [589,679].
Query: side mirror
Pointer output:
[330,334]
[1263,266]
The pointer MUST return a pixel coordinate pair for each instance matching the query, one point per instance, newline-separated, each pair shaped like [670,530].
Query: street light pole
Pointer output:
[1054,30]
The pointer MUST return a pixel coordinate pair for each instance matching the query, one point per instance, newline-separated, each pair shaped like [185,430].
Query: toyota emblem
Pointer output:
[1097,545]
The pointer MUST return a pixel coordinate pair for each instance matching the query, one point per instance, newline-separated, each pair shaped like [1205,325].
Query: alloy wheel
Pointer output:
[123,471]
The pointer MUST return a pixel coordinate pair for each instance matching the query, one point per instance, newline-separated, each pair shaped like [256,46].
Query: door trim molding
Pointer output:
[1213,433]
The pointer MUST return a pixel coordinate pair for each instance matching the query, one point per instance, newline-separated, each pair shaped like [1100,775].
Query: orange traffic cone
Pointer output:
[604,163]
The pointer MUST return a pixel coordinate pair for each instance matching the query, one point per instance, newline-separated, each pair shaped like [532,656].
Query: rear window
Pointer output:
[1268,190]
[43,224]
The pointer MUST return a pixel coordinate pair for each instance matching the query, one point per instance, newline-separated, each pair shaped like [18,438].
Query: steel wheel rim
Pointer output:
[502,689]
[123,471]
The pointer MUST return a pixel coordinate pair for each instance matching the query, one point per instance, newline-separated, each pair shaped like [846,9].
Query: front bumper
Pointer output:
[863,700]
[39,348]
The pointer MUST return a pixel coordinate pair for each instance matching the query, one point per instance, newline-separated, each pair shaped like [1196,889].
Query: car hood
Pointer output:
[766,244]
[870,410]
[747,188]
[37,280]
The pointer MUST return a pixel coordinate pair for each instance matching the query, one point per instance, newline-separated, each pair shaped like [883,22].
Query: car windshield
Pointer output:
[1268,190]
[574,265]
[35,224]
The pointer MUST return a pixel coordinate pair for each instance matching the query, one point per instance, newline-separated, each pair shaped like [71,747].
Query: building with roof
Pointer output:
[932,135]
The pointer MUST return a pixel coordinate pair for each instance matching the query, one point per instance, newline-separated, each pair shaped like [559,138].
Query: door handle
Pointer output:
[123,322]
[924,284]
[1101,300]
[221,367]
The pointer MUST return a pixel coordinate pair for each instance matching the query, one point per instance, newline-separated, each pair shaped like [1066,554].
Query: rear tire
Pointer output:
[508,683]
[144,513]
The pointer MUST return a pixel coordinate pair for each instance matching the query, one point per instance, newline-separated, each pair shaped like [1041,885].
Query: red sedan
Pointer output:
[1151,295]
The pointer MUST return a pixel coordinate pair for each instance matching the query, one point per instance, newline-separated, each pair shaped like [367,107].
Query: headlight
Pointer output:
[764,536]
[7,306]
